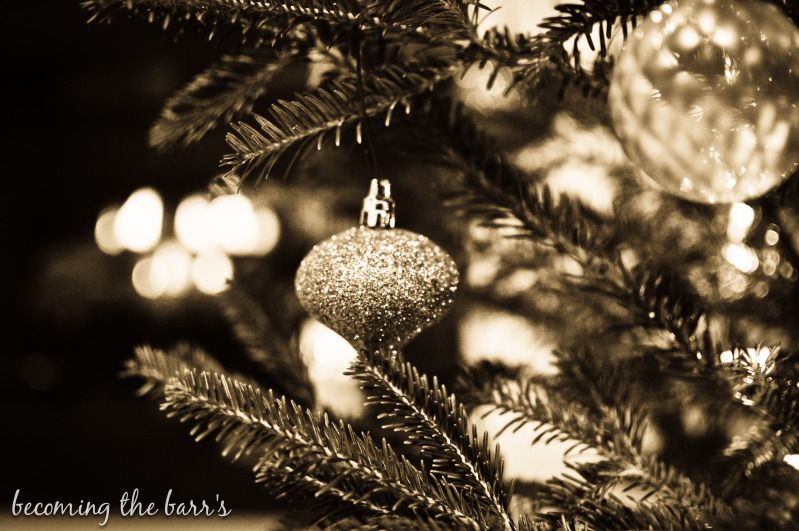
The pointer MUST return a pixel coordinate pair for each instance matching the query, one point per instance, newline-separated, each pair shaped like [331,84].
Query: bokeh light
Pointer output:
[205,233]
[772,237]
[137,225]
[741,256]
[234,224]
[525,461]
[211,271]
[268,231]
[741,218]
[150,280]
[520,16]
[327,356]
[792,460]
[193,224]
[476,93]
[505,337]
[755,357]
[229,222]
[104,234]
[174,261]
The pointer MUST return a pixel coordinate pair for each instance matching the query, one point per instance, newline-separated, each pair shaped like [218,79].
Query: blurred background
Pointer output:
[79,101]
[108,244]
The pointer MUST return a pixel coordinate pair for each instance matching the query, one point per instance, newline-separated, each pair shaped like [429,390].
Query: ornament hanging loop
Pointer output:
[368,147]
[378,210]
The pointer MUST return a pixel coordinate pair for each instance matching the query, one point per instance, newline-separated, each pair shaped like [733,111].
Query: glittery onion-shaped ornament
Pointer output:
[705,98]
[375,285]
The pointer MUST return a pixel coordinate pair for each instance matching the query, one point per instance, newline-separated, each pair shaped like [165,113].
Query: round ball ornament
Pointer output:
[705,98]
[375,285]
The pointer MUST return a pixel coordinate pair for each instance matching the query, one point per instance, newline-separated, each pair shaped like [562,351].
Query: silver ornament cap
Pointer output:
[375,285]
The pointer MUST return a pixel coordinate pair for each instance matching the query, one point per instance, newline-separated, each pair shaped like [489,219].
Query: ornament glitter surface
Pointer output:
[377,287]
[705,98]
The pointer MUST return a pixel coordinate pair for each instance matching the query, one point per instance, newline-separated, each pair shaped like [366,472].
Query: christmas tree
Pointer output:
[654,298]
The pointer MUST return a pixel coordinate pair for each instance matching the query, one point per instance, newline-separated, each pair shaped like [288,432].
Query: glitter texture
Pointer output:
[377,287]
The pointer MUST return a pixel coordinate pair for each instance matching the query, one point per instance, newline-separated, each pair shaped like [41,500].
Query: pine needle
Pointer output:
[311,117]
[330,459]
[224,91]
[432,420]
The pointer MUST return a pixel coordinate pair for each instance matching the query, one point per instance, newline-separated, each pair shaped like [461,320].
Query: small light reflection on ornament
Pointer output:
[327,356]
[792,460]
[741,257]
[707,21]
[137,225]
[725,37]
[688,38]
[211,271]
[104,234]
[656,16]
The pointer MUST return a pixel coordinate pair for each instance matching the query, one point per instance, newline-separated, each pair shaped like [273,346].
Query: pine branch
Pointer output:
[579,505]
[275,17]
[537,61]
[657,299]
[307,120]
[766,386]
[665,301]
[579,19]
[445,19]
[535,72]
[433,420]
[156,366]
[418,20]
[277,355]
[497,192]
[616,431]
[328,459]
[224,91]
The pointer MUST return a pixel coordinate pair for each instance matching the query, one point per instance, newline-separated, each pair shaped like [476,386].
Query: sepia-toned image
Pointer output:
[401,265]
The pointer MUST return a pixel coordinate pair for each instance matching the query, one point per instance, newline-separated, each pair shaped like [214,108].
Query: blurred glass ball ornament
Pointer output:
[375,285]
[705,98]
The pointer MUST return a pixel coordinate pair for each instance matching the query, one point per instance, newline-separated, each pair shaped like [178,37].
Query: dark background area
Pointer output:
[78,100]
